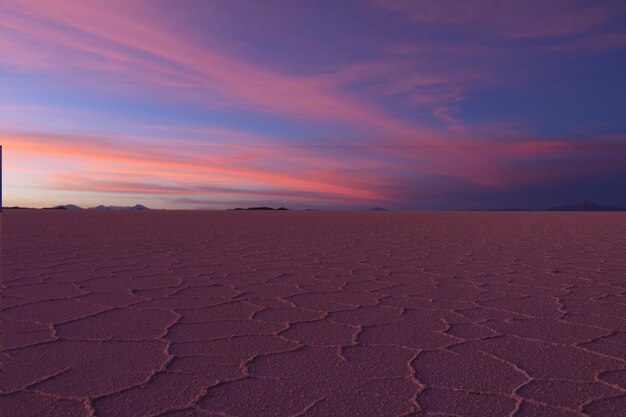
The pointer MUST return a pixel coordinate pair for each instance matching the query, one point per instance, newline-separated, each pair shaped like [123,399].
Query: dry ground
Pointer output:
[279,314]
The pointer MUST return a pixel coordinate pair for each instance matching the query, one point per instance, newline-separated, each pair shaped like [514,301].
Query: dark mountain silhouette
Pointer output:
[377,209]
[135,207]
[64,207]
[260,208]
[75,207]
[587,206]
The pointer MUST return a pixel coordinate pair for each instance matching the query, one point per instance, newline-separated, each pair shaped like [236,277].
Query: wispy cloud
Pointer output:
[366,173]
[117,48]
[510,18]
[124,99]
[94,163]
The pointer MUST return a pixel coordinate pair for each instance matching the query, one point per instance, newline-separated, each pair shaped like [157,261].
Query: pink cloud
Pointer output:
[126,48]
[368,172]
[182,167]
[111,41]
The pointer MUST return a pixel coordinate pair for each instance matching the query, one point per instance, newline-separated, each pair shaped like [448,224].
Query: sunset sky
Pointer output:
[313,104]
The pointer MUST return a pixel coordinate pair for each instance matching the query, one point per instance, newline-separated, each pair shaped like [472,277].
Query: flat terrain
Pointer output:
[285,314]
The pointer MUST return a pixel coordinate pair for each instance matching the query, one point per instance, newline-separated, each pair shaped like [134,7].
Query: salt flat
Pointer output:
[279,314]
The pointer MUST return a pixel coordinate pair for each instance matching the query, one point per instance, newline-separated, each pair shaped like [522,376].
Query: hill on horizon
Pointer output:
[135,207]
[586,205]
[261,208]
[100,207]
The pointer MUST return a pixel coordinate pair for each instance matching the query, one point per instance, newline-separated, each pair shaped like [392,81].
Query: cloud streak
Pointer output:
[361,175]
[94,36]
[409,100]
[189,171]
[510,18]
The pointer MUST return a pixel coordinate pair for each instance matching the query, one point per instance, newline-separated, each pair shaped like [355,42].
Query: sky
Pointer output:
[407,105]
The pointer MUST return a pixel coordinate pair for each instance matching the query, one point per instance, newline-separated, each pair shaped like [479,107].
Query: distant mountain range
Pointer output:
[260,208]
[100,207]
[135,207]
[586,206]
[65,207]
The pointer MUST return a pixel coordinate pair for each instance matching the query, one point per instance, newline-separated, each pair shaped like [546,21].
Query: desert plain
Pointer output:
[313,314]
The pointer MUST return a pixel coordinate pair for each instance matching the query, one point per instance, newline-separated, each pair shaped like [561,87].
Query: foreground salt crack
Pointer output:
[313,314]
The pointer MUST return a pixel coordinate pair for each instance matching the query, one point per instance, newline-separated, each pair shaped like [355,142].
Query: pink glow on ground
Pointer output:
[318,314]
